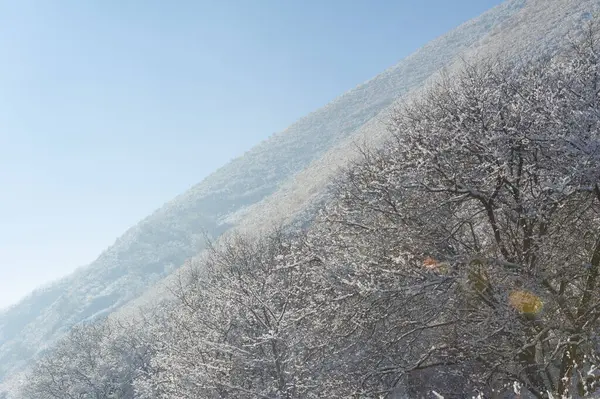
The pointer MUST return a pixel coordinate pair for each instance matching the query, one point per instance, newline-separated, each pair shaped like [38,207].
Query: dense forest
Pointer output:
[460,259]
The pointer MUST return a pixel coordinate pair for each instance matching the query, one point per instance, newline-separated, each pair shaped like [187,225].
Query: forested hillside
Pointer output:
[431,239]
[461,258]
[163,241]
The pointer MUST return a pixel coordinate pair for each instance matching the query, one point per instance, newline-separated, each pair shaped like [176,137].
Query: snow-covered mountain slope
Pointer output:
[270,183]
[538,27]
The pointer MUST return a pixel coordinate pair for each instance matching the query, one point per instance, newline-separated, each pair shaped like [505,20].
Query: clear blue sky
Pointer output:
[110,108]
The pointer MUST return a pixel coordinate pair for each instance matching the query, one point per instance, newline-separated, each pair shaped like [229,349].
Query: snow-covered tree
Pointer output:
[240,329]
[94,361]
[470,243]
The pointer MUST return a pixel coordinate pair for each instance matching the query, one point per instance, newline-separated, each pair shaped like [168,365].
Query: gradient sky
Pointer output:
[110,108]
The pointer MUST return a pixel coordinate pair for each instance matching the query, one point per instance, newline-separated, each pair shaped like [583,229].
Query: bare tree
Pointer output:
[240,329]
[482,215]
[96,361]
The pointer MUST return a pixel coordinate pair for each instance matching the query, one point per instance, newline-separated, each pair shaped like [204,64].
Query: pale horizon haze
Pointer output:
[109,109]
